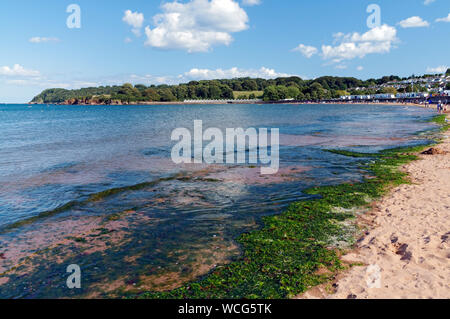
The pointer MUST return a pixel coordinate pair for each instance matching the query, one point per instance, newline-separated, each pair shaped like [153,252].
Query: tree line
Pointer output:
[274,89]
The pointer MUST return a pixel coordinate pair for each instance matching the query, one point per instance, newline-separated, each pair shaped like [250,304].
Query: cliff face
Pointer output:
[96,102]
[88,101]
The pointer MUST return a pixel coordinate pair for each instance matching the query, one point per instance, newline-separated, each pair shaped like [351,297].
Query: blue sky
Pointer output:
[170,42]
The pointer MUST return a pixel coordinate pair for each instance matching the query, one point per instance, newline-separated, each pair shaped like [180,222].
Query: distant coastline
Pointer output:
[326,89]
[260,102]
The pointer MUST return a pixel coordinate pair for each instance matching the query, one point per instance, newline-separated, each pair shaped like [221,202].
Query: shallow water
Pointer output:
[161,220]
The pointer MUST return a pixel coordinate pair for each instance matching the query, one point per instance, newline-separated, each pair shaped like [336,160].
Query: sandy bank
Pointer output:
[406,251]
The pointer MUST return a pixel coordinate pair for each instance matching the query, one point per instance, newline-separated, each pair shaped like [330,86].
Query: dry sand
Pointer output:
[406,251]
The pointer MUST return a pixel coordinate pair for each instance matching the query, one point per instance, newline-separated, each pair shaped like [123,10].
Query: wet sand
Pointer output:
[405,252]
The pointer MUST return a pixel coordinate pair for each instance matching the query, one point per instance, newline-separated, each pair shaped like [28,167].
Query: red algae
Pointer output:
[204,259]
[87,234]
[47,234]
[252,175]
[42,236]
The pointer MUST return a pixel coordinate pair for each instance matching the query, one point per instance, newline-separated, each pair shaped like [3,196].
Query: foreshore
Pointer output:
[405,252]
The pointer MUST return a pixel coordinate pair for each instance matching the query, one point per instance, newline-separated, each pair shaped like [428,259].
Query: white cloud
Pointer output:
[341,66]
[414,22]
[43,39]
[355,45]
[196,26]
[307,51]
[439,69]
[360,68]
[18,71]
[207,74]
[17,82]
[48,83]
[134,19]
[18,76]
[196,74]
[427,2]
[446,19]
[251,2]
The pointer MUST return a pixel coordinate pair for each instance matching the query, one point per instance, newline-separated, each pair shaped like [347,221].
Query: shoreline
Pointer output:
[405,250]
[433,106]
[297,251]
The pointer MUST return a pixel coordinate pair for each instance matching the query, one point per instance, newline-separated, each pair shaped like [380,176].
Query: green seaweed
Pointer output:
[352,154]
[442,121]
[42,215]
[439,119]
[294,251]
[92,198]
[113,191]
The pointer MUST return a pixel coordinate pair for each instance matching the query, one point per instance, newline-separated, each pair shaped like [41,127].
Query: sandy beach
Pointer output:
[405,252]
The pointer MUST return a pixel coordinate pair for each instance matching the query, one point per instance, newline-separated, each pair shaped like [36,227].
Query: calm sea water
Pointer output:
[54,155]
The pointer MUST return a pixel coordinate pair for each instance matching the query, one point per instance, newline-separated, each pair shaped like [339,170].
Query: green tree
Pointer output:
[227,92]
[181,92]
[202,92]
[151,95]
[192,92]
[140,87]
[292,92]
[250,85]
[214,92]
[167,95]
[237,86]
[271,94]
[388,90]
[316,91]
[293,84]
[129,90]
[282,92]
